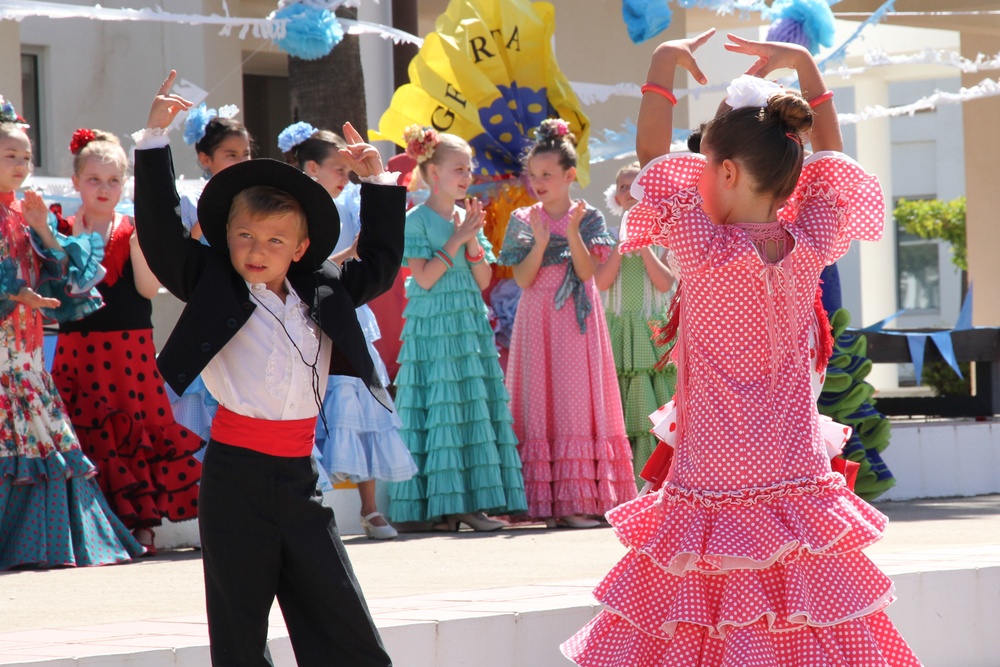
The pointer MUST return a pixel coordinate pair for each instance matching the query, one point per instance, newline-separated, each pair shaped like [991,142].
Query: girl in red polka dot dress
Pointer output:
[105,363]
[750,553]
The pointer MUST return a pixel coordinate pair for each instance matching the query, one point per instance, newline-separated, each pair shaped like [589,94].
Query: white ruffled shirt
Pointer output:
[259,373]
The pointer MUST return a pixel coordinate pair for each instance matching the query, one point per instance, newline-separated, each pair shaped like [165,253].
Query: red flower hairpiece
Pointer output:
[81,138]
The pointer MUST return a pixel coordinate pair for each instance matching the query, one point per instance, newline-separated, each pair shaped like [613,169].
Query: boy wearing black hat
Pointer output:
[267,320]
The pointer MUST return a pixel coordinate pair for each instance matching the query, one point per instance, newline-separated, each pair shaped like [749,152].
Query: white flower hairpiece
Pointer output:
[611,202]
[750,91]
[228,111]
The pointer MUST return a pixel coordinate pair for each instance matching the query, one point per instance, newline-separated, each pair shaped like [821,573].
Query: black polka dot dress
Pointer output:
[105,370]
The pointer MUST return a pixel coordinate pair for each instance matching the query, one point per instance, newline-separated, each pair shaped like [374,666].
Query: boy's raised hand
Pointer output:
[166,105]
[364,158]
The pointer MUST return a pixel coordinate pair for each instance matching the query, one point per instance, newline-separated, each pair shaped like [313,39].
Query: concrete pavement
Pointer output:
[170,584]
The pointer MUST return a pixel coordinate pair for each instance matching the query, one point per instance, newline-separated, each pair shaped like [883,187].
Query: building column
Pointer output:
[879,281]
[10,62]
[982,145]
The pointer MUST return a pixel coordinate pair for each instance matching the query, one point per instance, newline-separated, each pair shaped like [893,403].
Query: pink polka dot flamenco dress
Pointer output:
[750,553]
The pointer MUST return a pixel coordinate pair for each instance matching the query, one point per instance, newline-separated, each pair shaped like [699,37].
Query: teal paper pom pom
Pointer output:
[311,32]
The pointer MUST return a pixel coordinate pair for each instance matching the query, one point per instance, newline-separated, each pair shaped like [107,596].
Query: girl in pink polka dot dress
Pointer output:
[561,371]
[750,553]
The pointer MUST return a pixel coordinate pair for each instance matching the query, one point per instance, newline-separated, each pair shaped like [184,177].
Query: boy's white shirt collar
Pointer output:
[259,373]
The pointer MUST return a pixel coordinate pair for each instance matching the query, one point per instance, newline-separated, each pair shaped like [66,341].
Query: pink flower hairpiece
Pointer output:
[553,128]
[80,139]
[420,142]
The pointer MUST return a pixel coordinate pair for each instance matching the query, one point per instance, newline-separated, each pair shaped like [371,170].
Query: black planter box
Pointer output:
[980,345]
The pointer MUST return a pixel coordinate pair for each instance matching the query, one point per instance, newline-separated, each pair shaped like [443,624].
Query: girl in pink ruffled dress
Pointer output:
[750,553]
[567,410]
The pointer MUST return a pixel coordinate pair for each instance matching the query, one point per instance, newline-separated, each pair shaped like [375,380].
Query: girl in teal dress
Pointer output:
[636,286]
[450,393]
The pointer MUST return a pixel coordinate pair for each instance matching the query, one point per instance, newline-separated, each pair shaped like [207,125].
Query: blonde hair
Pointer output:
[104,147]
[445,144]
[264,201]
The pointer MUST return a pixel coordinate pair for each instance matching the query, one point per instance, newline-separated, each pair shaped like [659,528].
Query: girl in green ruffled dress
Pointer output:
[637,288]
[450,393]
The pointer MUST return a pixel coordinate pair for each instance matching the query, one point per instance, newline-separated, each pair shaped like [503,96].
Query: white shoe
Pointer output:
[373,532]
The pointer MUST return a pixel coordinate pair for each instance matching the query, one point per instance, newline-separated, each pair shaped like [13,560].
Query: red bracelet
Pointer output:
[475,259]
[819,99]
[444,257]
[659,90]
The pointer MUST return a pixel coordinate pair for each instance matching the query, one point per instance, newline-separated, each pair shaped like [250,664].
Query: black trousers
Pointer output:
[266,534]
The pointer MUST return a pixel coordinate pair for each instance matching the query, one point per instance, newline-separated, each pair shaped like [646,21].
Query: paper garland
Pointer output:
[263,28]
[917,340]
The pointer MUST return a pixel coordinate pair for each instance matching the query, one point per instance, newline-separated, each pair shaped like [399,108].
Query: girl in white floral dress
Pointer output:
[52,512]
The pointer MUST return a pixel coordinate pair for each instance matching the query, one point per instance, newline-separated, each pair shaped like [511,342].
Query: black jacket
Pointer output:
[217,297]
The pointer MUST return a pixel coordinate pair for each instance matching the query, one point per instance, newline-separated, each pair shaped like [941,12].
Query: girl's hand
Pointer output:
[474,210]
[33,299]
[166,105]
[680,53]
[364,158]
[36,214]
[770,56]
[466,230]
[576,215]
[539,228]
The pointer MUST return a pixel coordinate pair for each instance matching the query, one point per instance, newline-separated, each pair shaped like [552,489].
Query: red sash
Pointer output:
[290,438]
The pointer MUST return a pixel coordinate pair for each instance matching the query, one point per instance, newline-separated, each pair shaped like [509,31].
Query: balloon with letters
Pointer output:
[488,74]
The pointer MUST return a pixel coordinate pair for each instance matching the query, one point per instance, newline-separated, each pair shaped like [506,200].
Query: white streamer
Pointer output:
[263,28]
[987,88]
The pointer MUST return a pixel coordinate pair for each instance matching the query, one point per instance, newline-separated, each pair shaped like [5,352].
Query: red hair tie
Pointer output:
[794,137]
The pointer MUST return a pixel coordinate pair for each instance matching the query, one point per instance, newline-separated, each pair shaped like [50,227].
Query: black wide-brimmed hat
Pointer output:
[322,218]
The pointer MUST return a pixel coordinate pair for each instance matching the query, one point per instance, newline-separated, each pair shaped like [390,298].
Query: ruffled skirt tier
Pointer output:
[454,408]
[566,405]
[52,512]
[643,388]
[121,413]
[363,442]
[760,578]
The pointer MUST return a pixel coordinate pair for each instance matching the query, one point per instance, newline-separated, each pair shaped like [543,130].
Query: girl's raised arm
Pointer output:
[825,134]
[654,128]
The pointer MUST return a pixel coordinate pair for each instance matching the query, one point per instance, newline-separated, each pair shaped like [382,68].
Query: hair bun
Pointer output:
[791,110]
[554,130]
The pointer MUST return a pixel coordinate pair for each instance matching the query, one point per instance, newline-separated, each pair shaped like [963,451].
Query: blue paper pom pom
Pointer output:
[196,122]
[808,23]
[293,135]
[311,32]
[645,18]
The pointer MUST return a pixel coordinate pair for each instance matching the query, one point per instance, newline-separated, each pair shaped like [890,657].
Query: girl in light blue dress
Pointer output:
[357,439]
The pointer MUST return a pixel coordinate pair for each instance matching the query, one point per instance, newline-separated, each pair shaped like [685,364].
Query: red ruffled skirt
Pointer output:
[117,404]
[758,578]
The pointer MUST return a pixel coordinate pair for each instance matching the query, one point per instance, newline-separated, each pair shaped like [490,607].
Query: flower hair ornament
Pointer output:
[80,139]
[293,135]
[420,142]
[8,114]
[611,202]
[552,129]
[198,118]
[751,91]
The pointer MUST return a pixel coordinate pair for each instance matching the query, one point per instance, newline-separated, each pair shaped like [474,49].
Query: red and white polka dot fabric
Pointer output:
[750,554]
